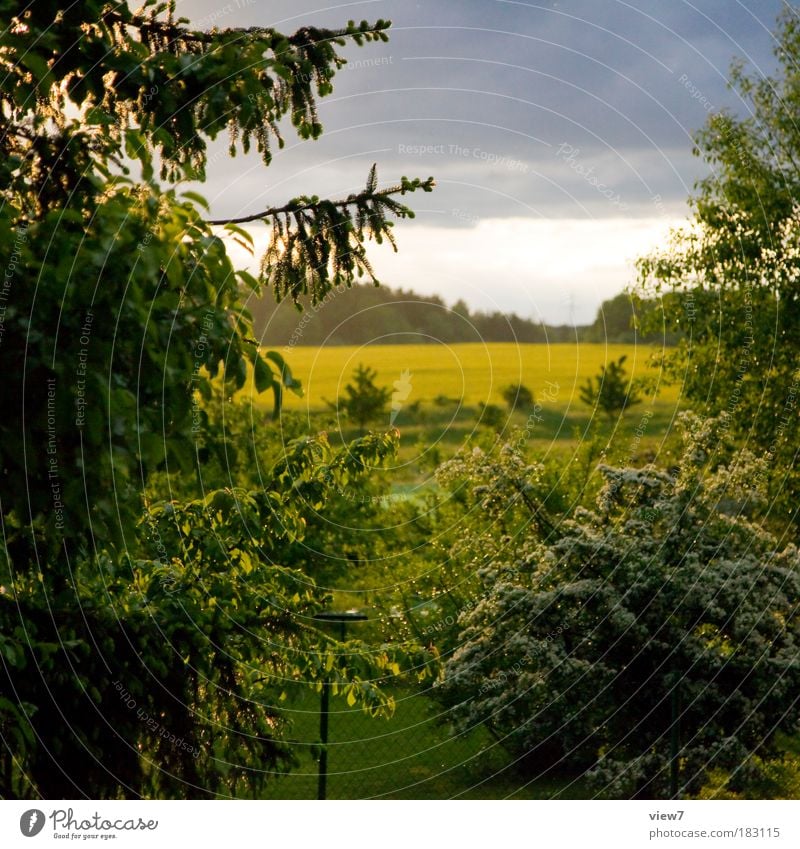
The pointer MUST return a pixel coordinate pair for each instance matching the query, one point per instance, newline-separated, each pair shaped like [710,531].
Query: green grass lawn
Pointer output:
[410,756]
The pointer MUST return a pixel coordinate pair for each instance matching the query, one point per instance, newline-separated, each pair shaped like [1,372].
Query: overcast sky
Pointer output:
[559,134]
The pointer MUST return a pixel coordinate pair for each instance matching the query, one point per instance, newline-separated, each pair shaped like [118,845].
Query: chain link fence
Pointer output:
[412,755]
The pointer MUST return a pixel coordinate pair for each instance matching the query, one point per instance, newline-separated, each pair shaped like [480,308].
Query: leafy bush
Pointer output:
[585,634]
[169,668]
[773,777]
[516,395]
[611,390]
[363,401]
[490,415]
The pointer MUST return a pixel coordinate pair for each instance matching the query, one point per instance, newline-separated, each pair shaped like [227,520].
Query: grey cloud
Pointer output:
[577,109]
[621,82]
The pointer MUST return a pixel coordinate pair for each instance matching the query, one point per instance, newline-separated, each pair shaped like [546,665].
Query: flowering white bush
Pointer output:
[665,596]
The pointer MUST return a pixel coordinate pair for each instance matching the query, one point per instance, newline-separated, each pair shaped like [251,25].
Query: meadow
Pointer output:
[467,373]
[414,755]
[446,386]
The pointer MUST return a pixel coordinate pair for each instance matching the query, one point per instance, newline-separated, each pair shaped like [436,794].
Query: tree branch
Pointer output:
[304,37]
[537,511]
[301,204]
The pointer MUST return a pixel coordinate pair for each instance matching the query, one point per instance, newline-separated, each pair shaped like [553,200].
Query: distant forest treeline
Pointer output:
[380,315]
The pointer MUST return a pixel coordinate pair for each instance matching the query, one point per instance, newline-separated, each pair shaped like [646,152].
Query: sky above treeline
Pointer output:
[559,134]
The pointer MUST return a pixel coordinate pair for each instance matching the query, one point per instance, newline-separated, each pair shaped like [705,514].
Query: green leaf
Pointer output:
[198,199]
[135,144]
[96,115]
[263,376]
[247,278]
[278,393]
[38,67]
[286,373]
[241,232]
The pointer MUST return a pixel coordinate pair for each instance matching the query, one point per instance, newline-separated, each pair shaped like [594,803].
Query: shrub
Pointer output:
[490,415]
[611,390]
[661,596]
[363,402]
[516,395]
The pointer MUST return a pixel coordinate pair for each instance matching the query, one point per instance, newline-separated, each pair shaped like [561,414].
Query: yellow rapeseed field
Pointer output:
[469,373]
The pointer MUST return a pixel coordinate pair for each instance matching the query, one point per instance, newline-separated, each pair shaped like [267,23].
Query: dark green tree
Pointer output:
[122,320]
[735,269]
[615,321]
[363,401]
[517,396]
[490,415]
[610,391]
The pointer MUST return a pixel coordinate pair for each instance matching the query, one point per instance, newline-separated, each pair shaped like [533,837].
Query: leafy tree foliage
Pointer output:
[364,313]
[773,777]
[490,415]
[664,593]
[611,390]
[516,395]
[495,494]
[131,618]
[628,318]
[364,401]
[735,268]
[615,321]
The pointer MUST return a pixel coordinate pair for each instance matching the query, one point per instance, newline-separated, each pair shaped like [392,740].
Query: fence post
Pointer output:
[322,781]
[674,742]
[341,618]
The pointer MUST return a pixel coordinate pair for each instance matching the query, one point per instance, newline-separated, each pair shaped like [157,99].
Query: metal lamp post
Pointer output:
[341,618]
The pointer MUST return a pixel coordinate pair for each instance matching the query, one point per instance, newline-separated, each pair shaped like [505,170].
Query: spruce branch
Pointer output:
[318,244]
[177,31]
[304,203]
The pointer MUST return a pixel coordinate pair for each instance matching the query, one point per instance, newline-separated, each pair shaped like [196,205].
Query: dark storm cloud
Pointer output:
[559,134]
[576,108]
